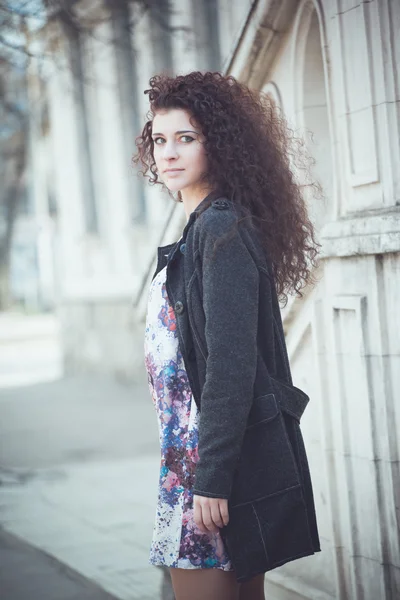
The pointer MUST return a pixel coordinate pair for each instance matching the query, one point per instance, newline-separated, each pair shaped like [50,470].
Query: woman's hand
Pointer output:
[210,513]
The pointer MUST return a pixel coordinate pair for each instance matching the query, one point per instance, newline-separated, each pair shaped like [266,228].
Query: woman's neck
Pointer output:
[192,198]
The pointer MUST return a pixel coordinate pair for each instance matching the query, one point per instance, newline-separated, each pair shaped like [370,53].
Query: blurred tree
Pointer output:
[13,131]
[21,42]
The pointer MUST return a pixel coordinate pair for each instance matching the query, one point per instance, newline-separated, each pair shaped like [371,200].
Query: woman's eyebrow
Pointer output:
[180,132]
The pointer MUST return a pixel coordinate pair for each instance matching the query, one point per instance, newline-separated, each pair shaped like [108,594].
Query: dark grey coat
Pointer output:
[231,337]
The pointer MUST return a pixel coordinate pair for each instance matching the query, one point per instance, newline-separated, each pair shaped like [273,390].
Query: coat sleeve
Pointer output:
[230,283]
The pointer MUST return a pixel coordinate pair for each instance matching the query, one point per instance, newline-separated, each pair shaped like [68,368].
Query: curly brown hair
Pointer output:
[252,157]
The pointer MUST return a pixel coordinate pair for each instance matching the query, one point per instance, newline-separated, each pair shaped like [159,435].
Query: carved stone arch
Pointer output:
[312,102]
[266,26]
[273,91]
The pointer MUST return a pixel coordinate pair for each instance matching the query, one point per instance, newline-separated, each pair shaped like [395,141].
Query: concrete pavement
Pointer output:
[79,467]
[76,420]
[26,573]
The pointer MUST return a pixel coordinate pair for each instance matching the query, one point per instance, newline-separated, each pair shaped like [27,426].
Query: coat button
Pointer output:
[182,248]
[179,308]
[220,204]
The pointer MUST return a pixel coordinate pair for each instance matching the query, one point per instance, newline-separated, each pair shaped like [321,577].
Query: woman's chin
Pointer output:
[174,188]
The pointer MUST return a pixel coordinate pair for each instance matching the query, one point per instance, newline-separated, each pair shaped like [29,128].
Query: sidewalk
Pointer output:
[78,481]
[95,518]
[27,573]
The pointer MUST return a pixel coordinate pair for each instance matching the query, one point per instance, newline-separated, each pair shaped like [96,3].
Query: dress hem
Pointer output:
[186,567]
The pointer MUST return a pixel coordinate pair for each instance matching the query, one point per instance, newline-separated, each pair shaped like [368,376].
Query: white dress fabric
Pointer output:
[177,541]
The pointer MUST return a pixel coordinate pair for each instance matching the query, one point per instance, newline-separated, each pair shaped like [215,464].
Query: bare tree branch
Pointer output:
[16,47]
[33,33]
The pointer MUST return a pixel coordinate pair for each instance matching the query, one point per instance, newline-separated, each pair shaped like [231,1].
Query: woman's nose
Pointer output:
[170,151]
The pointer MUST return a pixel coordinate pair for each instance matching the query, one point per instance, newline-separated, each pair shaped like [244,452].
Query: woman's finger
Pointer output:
[223,508]
[197,515]
[207,517]
[216,514]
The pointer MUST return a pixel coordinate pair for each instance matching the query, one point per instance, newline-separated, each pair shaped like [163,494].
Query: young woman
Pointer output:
[235,494]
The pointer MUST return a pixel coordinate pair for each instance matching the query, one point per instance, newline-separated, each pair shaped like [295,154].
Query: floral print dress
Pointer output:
[177,541]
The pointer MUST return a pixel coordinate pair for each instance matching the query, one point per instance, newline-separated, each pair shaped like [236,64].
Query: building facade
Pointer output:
[108,222]
[333,66]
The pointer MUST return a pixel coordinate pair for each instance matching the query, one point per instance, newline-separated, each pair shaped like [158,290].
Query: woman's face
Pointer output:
[179,151]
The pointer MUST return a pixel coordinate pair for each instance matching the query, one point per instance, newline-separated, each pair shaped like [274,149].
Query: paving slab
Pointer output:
[26,573]
[79,466]
[97,518]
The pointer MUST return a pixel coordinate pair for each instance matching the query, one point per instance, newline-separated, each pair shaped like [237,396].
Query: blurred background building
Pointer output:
[83,239]
[108,222]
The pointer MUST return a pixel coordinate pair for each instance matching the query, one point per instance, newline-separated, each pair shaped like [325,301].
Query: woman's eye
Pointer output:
[186,139]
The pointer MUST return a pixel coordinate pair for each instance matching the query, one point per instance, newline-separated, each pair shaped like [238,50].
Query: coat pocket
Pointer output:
[269,518]
[267,464]
[268,533]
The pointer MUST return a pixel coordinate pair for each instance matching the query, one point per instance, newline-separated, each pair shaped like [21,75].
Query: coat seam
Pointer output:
[195,333]
[278,493]
[209,494]
[261,532]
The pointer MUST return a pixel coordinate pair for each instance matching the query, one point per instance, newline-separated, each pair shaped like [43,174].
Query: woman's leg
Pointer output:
[253,589]
[204,584]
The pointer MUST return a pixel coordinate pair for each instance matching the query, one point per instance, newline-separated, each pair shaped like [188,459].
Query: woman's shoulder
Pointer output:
[218,218]
[224,219]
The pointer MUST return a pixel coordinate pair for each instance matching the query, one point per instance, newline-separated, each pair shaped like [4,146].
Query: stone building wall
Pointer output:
[333,66]
[109,222]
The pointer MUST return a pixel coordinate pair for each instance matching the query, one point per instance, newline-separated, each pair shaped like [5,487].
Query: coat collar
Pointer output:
[214,195]
[208,199]
[171,249]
